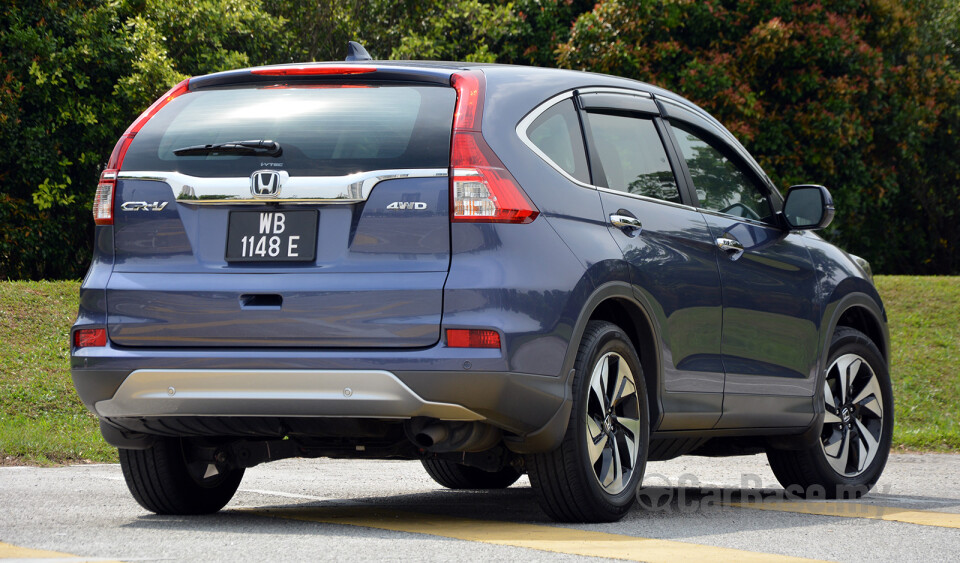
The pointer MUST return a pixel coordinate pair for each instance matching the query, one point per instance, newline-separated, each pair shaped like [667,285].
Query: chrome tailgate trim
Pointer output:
[352,188]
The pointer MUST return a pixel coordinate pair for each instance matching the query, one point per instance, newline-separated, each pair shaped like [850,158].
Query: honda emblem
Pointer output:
[265,183]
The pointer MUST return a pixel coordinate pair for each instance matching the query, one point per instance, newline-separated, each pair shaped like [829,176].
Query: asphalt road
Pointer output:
[698,509]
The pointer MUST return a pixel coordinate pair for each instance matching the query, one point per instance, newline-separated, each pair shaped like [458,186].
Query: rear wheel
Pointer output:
[594,474]
[162,480]
[857,429]
[454,475]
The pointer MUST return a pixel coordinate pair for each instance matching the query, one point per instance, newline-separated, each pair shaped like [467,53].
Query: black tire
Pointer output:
[567,482]
[811,473]
[454,475]
[162,481]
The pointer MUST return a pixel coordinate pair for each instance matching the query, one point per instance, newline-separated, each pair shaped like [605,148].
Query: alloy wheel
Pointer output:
[853,419]
[613,423]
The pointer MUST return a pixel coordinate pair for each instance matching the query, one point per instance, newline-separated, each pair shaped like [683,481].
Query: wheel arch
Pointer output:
[615,302]
[861,309]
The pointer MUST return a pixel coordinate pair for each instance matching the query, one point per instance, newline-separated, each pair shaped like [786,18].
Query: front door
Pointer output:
[770,316]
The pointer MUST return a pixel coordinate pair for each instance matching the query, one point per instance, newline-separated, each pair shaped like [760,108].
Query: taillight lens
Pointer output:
[481,188]
[90,337]
[472,338]
[103,201]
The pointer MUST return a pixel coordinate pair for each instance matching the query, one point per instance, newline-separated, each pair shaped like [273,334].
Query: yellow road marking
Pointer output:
[531,536]
[859,510]
[10,551]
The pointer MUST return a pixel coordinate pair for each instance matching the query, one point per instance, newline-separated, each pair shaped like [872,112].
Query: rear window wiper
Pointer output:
[252,148]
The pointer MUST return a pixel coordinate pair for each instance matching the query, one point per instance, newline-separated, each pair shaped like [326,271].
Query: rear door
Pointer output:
[770,312]
[338,239]
[668,247]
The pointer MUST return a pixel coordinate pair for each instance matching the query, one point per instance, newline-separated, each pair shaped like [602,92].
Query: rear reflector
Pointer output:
[472,338]
[90,337]
[103,200]
[312,70]
[482,189]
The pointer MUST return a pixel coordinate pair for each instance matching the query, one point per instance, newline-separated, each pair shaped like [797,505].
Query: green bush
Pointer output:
[861,97]
[74,75]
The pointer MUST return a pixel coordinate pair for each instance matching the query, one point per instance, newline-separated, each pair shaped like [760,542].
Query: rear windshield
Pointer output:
[322,130]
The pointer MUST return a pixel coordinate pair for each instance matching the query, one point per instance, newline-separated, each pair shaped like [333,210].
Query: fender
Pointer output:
[867,299]
[550,436]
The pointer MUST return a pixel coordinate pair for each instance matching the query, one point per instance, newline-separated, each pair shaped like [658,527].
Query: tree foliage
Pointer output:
[860,96]
[74,75]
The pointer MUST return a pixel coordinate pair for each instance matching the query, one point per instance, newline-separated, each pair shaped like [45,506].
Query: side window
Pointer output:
[632,156]
[721,185]
[557,133]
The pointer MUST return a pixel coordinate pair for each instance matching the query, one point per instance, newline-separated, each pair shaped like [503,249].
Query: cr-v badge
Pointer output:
[143,206]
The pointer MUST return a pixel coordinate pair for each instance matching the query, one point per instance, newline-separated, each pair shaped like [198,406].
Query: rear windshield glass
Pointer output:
[322,130]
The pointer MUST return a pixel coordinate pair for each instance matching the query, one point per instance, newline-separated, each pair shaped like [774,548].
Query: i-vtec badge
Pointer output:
[407,205]
[143,206]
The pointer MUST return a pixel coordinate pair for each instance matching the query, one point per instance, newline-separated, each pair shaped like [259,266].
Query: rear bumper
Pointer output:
[520,404]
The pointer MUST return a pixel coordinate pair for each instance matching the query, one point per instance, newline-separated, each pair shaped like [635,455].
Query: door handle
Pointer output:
[730,246]
[629,225]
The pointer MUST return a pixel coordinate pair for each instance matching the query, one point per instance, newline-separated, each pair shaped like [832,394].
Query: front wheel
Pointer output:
[162,480]
[852,450]
[594,474]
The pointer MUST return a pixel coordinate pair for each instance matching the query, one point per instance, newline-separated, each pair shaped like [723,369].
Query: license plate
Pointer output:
[272,236]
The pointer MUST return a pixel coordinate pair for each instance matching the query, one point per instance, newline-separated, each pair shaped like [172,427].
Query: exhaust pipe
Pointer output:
[438,436]
[431,435]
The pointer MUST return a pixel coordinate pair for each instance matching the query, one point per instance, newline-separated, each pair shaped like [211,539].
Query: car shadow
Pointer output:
[663,512]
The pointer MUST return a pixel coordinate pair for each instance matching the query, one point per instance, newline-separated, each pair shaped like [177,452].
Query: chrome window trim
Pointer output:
[539,110]
[528,120]
[737,218]
[647,198]
[351,188]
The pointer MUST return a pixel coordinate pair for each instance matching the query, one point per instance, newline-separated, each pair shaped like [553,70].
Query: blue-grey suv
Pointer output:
[495,270]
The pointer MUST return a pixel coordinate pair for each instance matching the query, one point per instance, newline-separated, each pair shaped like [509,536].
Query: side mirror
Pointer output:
[808,206]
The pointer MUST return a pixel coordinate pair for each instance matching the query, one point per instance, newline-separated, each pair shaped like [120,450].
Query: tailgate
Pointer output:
[341,240]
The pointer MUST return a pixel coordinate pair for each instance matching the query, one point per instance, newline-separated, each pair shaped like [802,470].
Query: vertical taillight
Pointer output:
[103,201]
[481,188]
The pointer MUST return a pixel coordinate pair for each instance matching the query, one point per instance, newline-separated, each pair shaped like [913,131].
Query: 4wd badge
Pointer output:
[418,205]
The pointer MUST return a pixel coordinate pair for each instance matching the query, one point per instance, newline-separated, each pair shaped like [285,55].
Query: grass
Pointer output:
[924,319]
[42,421]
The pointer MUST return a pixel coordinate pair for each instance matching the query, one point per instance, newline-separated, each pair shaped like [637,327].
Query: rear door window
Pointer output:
[633,156]
[324,130]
